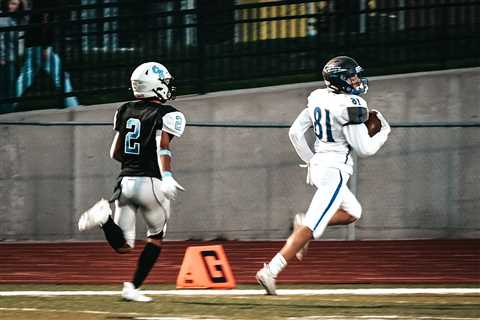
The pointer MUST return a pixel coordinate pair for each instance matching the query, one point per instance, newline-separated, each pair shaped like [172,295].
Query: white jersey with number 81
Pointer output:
[327,114]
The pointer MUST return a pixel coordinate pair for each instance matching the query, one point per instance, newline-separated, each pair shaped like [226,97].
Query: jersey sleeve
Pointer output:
[297,135]
[117,118]
[364,145]
[174,123]
[355,112]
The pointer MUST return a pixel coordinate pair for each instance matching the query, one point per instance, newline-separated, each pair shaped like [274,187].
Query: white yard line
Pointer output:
[140,316]
[72,311]
[239,292]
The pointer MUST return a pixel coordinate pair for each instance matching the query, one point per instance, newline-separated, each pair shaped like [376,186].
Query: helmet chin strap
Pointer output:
[159,96]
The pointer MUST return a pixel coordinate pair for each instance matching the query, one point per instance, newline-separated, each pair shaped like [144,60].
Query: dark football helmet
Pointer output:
[338,72]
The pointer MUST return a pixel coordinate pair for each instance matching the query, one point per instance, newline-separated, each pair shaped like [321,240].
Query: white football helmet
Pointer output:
[151,80]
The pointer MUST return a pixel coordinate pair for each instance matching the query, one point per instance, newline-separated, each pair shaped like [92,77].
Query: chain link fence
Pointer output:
[214,45]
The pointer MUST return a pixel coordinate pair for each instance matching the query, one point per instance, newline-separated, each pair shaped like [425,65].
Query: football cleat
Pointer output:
[297,223]
[129,293]
[96,216]
[266,279]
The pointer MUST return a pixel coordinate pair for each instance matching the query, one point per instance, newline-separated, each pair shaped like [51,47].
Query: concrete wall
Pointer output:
[246,183]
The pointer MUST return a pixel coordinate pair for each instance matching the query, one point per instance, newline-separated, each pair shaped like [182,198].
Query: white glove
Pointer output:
[169,187]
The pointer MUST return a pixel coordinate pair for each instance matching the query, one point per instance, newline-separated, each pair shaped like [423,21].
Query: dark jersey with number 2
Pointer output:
[137,123]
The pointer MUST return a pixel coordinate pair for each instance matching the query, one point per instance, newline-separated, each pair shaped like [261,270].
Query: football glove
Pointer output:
[170,186]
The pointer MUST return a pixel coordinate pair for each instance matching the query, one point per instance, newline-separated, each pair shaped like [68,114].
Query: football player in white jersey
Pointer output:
[337,115]
[144,131]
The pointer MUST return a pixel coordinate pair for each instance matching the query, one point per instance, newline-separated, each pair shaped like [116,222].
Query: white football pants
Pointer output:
[332,193]
[141,195]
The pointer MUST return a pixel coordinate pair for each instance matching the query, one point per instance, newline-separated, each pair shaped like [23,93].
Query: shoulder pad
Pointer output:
[357,115]
[174,123]
[314,96]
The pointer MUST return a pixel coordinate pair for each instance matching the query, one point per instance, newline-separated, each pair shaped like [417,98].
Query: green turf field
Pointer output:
[340,307]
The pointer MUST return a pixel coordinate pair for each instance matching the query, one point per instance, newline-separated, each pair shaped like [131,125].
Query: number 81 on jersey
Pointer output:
[323,124]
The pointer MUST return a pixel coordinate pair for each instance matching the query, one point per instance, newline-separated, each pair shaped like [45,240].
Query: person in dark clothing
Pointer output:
[39,53]
[10,48]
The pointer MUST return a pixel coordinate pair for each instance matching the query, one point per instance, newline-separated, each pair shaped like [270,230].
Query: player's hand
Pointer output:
[170,187]
[383,121]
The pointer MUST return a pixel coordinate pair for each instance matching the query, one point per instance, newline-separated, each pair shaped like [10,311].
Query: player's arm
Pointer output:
[356,133]
[173,126]
[116,148]
[297,135]
[164,154]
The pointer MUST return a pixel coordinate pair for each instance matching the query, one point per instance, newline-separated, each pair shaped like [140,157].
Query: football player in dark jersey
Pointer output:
[145,129]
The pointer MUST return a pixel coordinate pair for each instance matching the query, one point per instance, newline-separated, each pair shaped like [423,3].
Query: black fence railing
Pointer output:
[83,51]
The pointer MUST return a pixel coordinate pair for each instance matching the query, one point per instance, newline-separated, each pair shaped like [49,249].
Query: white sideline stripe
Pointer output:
[70,311]
[140,316]
[376,317]
[238,292]
[137,316]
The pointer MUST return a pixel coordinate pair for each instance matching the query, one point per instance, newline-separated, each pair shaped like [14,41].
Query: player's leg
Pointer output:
[155,209]
[298,222]
[120,233]
[30,66]
[100,216]
[145,263]
[268,274]
[54,67]
[325,203]
[350,210]
[331,184]
[341,217]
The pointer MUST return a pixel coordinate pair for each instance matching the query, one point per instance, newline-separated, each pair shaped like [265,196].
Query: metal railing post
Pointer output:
[201,51]
[62,57]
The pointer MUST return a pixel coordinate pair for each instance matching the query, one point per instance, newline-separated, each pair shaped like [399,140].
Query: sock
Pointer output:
[114,234]
[147,259]
[277,264]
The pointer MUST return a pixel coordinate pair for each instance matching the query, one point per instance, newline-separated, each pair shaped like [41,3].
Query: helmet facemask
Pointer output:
[355,83]
[166,90]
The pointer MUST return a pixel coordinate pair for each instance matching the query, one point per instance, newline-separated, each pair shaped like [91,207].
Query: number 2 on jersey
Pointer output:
[132,147]
[323,130]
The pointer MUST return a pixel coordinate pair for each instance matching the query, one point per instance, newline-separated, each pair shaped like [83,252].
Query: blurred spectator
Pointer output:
[10,48]
[39,52]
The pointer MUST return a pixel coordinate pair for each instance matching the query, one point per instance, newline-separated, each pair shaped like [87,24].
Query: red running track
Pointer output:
[412,261]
